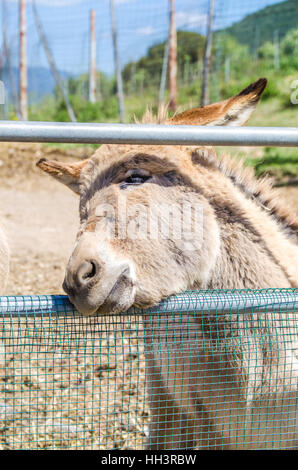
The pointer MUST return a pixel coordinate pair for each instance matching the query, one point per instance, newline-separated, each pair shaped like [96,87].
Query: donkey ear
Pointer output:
[232,112]
[67,173]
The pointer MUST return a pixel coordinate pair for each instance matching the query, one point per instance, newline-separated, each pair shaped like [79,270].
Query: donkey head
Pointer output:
[147,230]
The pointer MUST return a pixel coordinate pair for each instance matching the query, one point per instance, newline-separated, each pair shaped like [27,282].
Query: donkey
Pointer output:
[214,382]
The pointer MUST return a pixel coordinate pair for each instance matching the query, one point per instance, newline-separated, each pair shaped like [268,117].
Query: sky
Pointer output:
[141,23]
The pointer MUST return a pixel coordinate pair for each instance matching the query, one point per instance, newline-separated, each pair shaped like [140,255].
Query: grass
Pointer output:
[272,113]
[281,163]
[69,146]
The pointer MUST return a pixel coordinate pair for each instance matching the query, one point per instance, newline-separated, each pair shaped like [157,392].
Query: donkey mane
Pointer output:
[260,190]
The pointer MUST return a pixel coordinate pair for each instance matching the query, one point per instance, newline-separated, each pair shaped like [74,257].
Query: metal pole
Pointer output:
[164,74]
[12,85]
[133,86]
[173,58]
[6,108]
[275,300]
[206,71]
[23,62]
[150,134]
[53,66]
[227,69]
[92,74]
[276,49]
[117,63]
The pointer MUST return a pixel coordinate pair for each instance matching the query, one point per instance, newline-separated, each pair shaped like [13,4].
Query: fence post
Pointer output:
[173,58]
[164,74]
[276,49]
[117,64]
[23,62]
[227,69]
[92,73]
[206,71]
[6,58]
[50,58]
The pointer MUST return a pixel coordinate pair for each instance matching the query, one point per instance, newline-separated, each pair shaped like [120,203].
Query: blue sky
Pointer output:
[141,23]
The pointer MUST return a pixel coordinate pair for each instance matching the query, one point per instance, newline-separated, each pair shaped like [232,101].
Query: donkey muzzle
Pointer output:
[92,291]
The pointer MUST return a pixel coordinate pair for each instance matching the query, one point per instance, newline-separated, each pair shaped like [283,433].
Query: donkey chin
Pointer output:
[102,296]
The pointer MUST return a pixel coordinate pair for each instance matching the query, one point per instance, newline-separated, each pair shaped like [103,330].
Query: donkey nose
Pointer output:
[81,277]
[87,272]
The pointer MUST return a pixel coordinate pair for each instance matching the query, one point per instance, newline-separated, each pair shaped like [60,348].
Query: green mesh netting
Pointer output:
[205,369]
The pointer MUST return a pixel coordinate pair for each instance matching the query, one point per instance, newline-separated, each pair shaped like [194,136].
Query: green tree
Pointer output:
[266,52]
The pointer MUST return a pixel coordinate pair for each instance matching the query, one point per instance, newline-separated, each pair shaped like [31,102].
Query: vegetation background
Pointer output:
[263,44]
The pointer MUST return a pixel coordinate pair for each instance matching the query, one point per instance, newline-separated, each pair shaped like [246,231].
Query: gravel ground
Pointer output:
[70,383]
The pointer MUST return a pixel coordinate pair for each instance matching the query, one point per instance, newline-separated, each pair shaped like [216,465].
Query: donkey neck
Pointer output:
[255,250]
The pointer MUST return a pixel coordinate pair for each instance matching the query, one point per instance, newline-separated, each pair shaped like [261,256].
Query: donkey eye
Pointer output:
[134,180]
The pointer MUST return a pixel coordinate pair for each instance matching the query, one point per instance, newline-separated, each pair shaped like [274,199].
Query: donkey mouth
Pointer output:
[119,299]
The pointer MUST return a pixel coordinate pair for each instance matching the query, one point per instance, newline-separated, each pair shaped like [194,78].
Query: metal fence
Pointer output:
[68,382]
[67,34]
[147,134]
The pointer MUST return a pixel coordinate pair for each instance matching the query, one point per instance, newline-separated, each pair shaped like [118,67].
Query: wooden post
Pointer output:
[117,63]
[23,62]
[92,73]
[173,58]
[206,71]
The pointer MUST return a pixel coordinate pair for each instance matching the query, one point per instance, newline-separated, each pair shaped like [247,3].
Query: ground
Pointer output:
[40,218]
[74,390]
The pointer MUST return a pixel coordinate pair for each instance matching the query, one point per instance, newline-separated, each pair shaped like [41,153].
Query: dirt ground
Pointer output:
[40,218]
[89,395]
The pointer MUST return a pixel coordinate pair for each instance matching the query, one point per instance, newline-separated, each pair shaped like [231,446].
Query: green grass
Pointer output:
[282,163]
[273,114]
[69,146]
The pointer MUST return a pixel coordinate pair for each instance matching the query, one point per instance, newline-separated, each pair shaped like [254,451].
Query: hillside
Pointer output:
[40,81]
[259,27]
[190,48]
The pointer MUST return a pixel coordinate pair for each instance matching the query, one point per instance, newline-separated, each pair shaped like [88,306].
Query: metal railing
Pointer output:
[147,134]
[192,301]
[69,382]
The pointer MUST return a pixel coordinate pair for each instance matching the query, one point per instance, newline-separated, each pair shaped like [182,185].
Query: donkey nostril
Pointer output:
[90,272]
[87,272]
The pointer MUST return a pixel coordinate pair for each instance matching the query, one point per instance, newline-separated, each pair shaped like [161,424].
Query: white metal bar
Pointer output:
[29,131]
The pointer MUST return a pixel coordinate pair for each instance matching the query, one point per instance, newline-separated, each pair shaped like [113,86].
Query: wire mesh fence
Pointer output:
[240,42]
[205,369]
